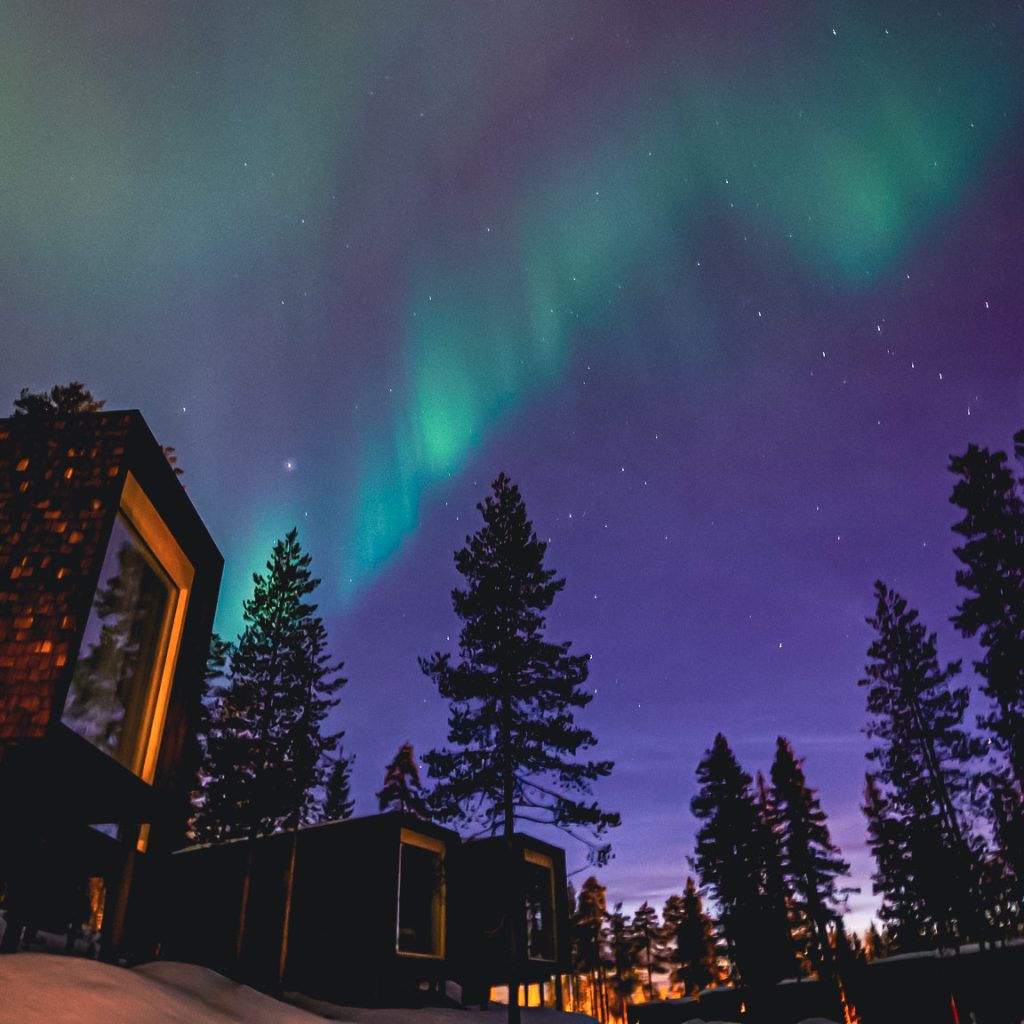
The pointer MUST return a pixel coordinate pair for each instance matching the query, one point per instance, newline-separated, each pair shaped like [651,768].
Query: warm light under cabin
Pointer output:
[108,586]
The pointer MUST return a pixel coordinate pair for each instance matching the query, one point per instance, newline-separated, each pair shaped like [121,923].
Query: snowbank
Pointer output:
[41,988]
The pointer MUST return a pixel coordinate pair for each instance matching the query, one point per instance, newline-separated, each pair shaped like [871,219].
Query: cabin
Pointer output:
[353,912]
[375,911]
[108,587]
[493,878]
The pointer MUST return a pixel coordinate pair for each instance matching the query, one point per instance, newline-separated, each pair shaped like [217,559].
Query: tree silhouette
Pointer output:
[268,760]
[650,954]
[60,400]
[811,861]
[695,953]
[338,802]
[68,399]
[513,693]
[992,573]
[922,756]
[512,696]
[402,789]
[731,861]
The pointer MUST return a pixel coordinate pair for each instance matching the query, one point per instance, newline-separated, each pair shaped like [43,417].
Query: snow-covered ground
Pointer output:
[43,988]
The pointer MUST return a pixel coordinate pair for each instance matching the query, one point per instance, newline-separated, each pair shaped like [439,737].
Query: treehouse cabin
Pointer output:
[354,912]
[493,879]
[108,586]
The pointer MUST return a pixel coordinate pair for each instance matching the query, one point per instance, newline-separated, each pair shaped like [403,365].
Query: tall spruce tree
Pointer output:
[513,694]
[991,495]
[268,759]
[811,861]
[922,756]
[402,788]
[730,860]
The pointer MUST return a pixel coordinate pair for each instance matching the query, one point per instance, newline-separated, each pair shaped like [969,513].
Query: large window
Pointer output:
[420,895]
[540,906]
[121,682]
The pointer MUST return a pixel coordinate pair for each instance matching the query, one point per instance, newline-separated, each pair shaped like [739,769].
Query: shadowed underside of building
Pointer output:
[108,586]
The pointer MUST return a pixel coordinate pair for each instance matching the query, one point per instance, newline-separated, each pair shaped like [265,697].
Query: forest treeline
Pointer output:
[943,803]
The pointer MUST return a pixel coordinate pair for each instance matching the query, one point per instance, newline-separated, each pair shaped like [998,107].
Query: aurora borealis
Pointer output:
[721,286]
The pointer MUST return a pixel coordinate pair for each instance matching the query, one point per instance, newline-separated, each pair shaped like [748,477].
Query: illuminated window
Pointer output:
[540,906]
[420,895]
[121,684]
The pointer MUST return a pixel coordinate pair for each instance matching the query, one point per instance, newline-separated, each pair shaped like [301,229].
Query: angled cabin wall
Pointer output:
[108,585]
[494,879]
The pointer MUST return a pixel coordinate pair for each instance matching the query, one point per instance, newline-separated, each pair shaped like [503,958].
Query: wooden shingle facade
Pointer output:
[108,586]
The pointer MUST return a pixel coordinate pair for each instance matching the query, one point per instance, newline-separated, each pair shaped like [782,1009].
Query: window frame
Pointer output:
[165,555]
[542,860]
[409,837]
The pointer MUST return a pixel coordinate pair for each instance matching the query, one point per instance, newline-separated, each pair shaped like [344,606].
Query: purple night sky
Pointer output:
[720,286]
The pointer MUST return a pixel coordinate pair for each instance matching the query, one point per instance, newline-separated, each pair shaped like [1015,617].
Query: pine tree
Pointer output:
[923,755]
[267,756]
[811,861]
[647,931]
[730,859]
[992,556]
[696,953]
[512,698]
[902,910]
[588,930]
[625,948]
[402,788]
[338,802]
[786,939]
[513,693]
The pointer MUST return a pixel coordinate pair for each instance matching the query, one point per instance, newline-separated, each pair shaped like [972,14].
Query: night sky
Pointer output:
[721,286]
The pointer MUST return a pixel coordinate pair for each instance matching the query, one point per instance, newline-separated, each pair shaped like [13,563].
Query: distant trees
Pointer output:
[647,932]
[68,399]
[338,802]
[402,788]
[922,778]
[267,759]
[733,861]
[811,862]
[695,956]
[60,400]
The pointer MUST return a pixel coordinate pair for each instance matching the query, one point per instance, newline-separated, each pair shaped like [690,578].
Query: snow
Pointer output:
[41,988]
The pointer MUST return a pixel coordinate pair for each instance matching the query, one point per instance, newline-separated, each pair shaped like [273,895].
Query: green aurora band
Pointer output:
[851,162]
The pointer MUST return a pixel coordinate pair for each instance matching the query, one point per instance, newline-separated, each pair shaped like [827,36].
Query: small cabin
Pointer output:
[525,877]
[354,912]
[374,911]
[108,587]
